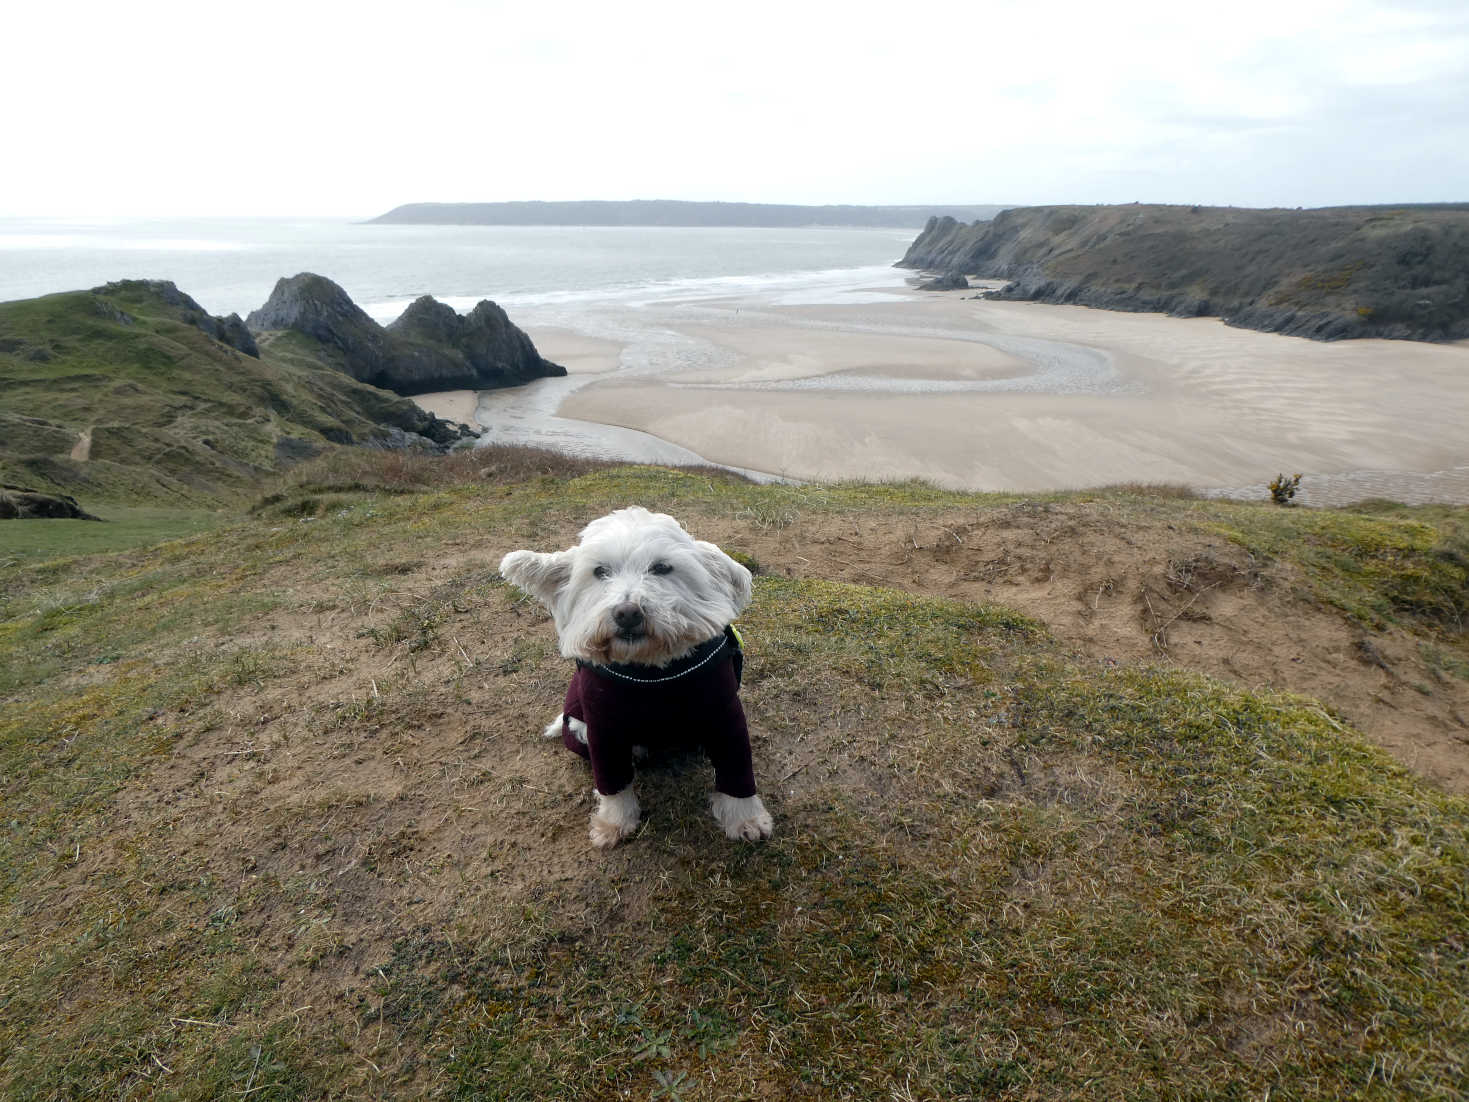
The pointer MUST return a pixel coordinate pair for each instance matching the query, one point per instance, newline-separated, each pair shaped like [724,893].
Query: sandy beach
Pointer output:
[984,395]
[452,405]
[579,354]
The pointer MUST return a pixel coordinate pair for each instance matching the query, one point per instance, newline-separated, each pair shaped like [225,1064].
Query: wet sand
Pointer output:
[889,383]
[452,405]
[577,352]
[1019,396]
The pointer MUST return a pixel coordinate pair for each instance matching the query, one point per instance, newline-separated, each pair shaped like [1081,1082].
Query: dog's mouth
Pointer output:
[627,641]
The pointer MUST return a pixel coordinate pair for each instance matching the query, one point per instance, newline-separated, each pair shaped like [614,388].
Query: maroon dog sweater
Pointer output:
[691,702]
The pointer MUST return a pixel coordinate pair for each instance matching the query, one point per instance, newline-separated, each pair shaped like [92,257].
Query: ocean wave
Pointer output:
[834,286]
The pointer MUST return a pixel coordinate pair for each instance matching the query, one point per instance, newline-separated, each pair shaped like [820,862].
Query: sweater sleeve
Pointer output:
[726,739]
[611,730]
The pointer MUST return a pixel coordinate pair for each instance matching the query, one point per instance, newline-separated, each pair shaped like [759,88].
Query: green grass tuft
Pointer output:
[276,824]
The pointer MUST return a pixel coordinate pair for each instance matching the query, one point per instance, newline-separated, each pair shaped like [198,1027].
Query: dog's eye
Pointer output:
[601,572]
[660,568]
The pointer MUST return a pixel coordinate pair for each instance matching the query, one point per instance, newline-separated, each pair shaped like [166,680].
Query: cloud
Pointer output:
[306,107]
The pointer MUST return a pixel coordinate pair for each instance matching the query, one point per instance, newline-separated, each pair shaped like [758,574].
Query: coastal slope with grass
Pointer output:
[1328,274]
[1076,796]
[131,394]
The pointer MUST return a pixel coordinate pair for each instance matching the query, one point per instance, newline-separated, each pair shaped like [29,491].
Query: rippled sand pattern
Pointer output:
[995,396]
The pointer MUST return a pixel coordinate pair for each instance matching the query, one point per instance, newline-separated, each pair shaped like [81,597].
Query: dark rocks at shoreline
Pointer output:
[227,330]
[430,348]
[474,351]
[949,281]
[23,503]
[396,439]
[1330,274]
[443,435]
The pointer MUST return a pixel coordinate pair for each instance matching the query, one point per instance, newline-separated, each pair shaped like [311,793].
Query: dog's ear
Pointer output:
[540,574]
[724,570]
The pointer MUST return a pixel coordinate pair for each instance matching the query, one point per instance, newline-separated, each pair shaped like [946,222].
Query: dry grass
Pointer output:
[277,825]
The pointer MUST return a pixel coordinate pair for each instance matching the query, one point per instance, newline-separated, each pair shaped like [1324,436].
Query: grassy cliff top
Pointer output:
[278,822]
[118,396]
[1330,272]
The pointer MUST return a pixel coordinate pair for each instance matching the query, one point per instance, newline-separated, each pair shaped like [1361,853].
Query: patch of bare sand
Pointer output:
[1146,592]
[1025,442]
[82,449]
[451,405]
[764,353]
[1168,399]
[577,352]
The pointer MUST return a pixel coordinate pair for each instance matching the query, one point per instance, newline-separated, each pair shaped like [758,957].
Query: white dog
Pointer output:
[645,610]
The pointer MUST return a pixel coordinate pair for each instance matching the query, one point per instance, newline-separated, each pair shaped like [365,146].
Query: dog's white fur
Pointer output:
[616,817]
[687,590]
[704,590]
[742,817]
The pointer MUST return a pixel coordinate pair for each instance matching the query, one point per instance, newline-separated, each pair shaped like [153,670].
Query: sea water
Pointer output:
[608,282]
[625,284]
[541,275]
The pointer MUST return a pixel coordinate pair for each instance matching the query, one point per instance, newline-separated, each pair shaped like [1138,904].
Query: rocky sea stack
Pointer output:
[483,348]
[430,348]
[1328,274]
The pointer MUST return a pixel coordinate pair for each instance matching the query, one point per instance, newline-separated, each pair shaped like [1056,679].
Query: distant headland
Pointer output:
[1329,273]
[675,212]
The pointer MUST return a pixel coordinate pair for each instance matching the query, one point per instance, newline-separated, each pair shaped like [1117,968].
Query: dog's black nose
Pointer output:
[628,616]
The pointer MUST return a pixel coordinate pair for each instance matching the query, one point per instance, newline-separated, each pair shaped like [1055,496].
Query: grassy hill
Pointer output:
[278,822]
[1329,273]
[119,396]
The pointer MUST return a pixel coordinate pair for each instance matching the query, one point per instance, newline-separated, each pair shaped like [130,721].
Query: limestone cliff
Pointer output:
[481,349]
[431,347]
[1400,272]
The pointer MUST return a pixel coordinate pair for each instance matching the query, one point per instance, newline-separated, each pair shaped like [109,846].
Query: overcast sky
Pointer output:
[161,107]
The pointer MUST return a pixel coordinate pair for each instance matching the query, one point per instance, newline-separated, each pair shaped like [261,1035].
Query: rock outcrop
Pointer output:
[23,503]
[430,347]
[317,308]
[227,330]
[949,281]
[1326,274]
[945,245]
[141,401]
[478,350]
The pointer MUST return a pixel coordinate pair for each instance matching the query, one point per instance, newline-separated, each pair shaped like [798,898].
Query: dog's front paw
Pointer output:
[743,818]
[616,817]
